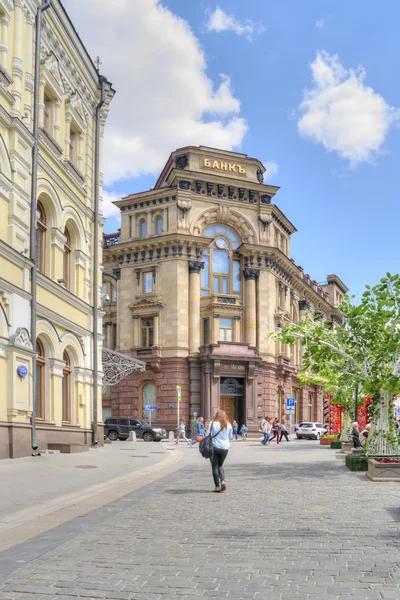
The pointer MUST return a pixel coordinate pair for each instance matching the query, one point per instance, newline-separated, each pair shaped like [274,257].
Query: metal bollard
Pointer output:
[132,436]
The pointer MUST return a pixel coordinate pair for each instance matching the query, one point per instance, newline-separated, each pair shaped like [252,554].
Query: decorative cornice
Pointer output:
[146,303]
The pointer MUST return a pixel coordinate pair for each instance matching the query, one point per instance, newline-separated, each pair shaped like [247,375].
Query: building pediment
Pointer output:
[146,303]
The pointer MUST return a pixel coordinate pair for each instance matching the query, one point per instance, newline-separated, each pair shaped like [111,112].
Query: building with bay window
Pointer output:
[69,94]
[203,273]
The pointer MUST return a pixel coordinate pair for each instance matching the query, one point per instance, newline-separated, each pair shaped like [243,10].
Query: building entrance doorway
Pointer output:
[231,399]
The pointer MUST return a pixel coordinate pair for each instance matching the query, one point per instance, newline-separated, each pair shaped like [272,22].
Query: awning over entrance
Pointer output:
[117,366]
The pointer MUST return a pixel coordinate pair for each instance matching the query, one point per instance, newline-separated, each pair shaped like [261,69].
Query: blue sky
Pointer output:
[336,149]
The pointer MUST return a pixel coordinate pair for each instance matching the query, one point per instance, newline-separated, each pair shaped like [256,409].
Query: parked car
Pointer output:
[311,431]
[118,429]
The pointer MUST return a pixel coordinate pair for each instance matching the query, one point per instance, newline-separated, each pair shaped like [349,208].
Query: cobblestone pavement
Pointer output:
[294,524]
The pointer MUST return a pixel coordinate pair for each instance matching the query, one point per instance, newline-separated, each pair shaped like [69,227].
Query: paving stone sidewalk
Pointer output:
[287,529]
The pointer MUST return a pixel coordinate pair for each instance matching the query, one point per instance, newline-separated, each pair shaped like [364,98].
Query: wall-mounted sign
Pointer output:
[22,371]
[170,406]
[250,414]
[222,165]
[233,366]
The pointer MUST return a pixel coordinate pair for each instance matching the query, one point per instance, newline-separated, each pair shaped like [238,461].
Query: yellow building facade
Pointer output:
[69,98]
[195,281]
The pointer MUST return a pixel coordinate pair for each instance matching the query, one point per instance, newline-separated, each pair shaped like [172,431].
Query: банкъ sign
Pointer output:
[221,165]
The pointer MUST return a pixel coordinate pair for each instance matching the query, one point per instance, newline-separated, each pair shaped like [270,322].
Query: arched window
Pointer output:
[149,398]
[221,273]
[67,260]
[143,228]
[66,389]
[159,225]
[41,230]
[40,380]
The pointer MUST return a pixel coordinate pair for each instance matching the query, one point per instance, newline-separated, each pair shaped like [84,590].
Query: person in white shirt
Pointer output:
[181,433]
[222,433]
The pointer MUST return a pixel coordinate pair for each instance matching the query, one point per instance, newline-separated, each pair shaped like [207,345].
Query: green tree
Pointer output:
[363,350]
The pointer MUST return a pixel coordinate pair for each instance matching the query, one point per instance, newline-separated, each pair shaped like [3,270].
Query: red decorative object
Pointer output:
[333,415]
[388,460]
[363,413]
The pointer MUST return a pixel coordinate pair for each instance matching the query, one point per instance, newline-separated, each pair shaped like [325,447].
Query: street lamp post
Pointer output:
[356,405]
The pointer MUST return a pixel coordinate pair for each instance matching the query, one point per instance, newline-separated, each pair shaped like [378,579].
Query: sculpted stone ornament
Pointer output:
[265,199]
[250,273]
[195,266]
[260,176]
[184,184]
[21,339]
[181,161]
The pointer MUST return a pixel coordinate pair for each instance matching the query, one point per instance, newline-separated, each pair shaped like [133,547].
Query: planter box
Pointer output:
[326,441]
[347,447]
[378,471]
[336,445]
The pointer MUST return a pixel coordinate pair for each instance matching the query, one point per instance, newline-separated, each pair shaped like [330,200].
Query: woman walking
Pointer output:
[276,428]
[221,432]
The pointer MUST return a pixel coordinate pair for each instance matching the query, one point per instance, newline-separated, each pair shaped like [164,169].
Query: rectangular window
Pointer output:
[205,276]
[225,330]
[105,342]
[216,285]
[206,332]
[220,261]
[147,332]
[147,282]
[225,285]
[73,145]
[309,407]
[48,114]
[236,276]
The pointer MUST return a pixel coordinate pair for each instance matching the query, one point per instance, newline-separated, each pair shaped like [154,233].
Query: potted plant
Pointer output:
[328,438]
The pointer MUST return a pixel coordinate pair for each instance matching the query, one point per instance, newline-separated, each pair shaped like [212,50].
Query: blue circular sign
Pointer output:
[22,371]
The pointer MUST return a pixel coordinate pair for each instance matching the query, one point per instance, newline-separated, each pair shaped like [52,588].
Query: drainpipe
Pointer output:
[35,156]
[95,439]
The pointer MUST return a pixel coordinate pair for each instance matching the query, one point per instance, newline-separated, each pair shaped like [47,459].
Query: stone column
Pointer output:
[236,329]
[207,392]
[136,331]
[195,267]
[56,122]
[5,20]
[215,329]
[17,64]
[28,104]
[156,333]
[250,276]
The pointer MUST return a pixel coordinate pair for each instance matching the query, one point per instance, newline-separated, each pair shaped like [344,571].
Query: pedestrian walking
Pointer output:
[235,428]
[200,430]
[221,432]
[181,433]
[243,431]
[276,430]
[284,432]
[355,434]
[266,430]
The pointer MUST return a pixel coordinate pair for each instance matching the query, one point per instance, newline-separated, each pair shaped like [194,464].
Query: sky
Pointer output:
[310,87]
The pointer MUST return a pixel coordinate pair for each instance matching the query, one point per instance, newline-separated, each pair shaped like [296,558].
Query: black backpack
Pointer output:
[206,445]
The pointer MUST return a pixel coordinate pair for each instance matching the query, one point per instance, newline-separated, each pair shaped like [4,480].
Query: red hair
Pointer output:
[222,417]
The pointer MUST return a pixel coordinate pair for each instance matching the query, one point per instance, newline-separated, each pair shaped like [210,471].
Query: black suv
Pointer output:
[118,429]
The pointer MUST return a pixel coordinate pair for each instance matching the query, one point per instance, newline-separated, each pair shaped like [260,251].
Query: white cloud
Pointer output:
[320,23]
[220,21]
[272,168]
[164,98]
[342,113]
[109,209]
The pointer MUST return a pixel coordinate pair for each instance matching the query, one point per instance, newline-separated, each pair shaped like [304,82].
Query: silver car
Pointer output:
[311,431]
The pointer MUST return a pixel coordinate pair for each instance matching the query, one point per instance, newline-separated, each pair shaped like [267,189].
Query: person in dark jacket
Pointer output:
[355,434]
[200,430]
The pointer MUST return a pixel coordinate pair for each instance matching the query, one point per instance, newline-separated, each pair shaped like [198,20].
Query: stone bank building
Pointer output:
[195,280]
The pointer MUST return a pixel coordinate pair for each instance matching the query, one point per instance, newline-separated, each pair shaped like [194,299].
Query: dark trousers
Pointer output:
[276,435]
[284,433]
[217,461]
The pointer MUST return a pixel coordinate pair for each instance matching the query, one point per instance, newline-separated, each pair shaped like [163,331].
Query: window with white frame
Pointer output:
[147,282]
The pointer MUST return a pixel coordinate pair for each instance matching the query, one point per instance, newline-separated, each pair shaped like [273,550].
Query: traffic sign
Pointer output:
[150,407]
[290,402]
[290,410]
[178,393]
[195,414]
